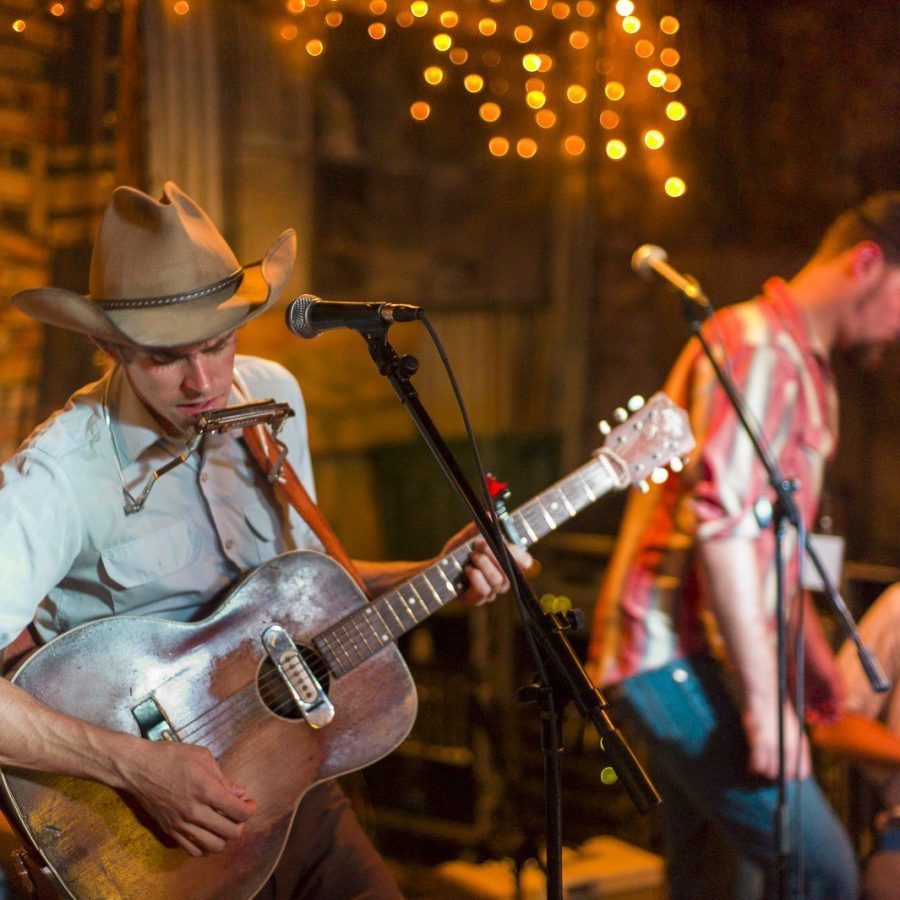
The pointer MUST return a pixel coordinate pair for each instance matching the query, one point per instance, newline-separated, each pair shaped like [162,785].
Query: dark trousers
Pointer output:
[328,856]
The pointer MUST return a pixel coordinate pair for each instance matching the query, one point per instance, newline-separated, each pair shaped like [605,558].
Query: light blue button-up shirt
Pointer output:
[69,553]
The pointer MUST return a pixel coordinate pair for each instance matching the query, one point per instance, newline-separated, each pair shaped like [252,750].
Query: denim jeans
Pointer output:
[711,805]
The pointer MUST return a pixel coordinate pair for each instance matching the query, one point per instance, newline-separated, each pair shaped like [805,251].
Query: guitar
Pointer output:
[296,678]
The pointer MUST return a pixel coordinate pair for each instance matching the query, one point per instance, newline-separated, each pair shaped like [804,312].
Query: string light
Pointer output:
[533,91]
[57,9]
[19,25]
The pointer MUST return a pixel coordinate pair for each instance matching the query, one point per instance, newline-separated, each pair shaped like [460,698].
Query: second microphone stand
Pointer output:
[561,676]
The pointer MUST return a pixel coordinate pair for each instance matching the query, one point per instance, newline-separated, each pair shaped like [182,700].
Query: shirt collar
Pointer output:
[779,295]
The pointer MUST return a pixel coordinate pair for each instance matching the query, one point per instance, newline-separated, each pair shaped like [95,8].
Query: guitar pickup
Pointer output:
[305,689]
[152,721]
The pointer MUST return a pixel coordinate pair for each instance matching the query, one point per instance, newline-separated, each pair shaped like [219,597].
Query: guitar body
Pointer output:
[204,677]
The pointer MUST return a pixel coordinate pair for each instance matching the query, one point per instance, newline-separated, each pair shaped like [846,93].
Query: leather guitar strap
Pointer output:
[266,453]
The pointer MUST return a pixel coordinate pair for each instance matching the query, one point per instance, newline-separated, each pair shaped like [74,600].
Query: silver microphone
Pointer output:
[649,259]
[309,316]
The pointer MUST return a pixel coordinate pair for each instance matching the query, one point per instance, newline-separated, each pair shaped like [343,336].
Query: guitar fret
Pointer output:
[387,602]
[571,510]
[410,604]
[377,624]
[424,577]
[547,517]
[591,495]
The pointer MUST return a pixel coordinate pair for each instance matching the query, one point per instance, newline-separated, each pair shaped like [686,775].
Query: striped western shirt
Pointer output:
[651,609]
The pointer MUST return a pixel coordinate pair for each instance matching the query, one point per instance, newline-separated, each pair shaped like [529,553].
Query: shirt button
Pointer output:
[680,675]
[229,544]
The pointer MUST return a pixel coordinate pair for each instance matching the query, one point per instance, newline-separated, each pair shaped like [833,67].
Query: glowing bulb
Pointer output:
[574,145]
[615,149]
[418,8]
[405,18]
[643,48]
[420,110]
[534,84]
[560,11]
[545,118]
[459,55]
[609,119]
[585,8]
[18,25]
[449,19]
[654,139]
[58,9]
[182,8]
[624,7]
[669,56]
[676,111]
[579,40]
[614,90]
[487,27]
[535,99]
[669,24]
[673,82]
[442,42]
[531,62]
[526,147]
[473,83]
[377,31]
[538,4]
[489,112]
[523,34]
[675,187]
[378,7]
[576,93]
[656,77]
[333,18]
[295,7]
[546,62]
[315,47]
[631,24]
[434,74]
[288,32]
[499,146]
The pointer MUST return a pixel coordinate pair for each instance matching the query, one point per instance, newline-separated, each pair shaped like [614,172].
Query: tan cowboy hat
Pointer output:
[163,276]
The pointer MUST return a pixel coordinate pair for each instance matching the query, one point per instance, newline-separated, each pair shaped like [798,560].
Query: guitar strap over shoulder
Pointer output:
[267,454]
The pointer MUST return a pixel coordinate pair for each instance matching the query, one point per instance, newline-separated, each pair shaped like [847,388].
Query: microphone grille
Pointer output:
[297,316]
[643,258]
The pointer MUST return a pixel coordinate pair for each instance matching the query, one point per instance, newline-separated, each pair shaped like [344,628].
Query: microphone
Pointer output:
[308,316]
[648,258]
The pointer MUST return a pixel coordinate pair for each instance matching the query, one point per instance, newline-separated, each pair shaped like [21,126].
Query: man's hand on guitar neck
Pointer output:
[183,788]
[486,580]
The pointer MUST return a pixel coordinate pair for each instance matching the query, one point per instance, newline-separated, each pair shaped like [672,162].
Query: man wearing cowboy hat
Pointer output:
[167,296]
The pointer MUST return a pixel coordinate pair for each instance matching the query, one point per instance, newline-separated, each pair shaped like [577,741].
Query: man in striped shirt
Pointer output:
[685,623]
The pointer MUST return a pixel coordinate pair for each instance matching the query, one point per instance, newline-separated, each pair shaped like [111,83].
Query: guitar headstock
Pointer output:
[656,434]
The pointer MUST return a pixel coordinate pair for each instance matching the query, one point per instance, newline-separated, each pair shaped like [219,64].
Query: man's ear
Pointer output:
[866,259]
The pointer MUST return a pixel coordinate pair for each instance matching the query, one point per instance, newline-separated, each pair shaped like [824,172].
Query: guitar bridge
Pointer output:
[305,689]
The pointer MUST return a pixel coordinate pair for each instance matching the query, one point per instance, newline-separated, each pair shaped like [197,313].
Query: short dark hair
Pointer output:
[876,219]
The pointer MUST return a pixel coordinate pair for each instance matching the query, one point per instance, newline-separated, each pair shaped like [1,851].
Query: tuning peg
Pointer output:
[642,486]
[604,426]
[620,414]
[676,465]
[635,403]
[659,475]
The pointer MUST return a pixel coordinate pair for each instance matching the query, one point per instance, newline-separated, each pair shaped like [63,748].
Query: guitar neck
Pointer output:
[365,631]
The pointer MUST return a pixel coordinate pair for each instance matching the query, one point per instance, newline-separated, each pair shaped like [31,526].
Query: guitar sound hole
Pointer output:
[274,692]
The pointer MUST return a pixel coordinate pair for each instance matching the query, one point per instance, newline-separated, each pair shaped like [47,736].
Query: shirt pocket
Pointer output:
[152,558]
[264,534]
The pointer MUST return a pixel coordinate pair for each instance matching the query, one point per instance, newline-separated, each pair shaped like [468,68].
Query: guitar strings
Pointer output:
[243,704]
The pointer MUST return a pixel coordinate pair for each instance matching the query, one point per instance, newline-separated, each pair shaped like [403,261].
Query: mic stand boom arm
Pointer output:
[558,663]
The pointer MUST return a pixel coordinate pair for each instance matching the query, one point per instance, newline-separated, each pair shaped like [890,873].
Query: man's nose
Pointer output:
[197,377]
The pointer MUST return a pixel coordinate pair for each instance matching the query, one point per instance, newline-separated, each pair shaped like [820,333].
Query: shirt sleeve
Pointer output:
[729,478]
[40,534]
[880,631]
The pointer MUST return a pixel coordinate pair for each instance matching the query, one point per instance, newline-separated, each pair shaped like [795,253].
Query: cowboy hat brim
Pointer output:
[169,324]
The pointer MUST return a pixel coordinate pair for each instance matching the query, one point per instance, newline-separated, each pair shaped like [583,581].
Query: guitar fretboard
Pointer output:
[365,631]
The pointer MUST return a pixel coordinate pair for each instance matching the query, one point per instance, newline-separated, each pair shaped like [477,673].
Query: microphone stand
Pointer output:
[562,677]
[784,512]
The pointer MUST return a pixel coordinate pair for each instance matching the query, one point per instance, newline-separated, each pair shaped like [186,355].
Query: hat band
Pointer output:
[233,280]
